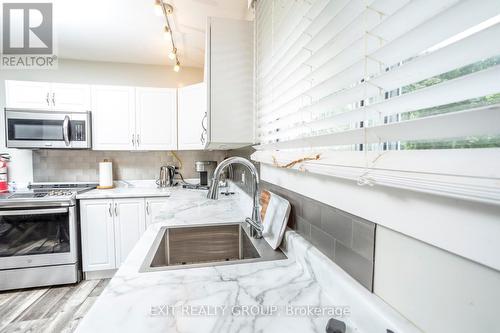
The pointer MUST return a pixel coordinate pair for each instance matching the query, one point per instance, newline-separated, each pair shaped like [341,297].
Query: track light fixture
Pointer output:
[164,9]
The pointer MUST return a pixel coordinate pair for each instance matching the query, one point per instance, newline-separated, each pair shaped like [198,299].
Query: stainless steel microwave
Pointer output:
[32,129]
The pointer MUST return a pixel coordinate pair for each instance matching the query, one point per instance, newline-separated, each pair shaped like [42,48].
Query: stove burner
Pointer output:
[59,193]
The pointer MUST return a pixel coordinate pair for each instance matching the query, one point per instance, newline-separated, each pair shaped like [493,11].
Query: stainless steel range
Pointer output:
[39,236]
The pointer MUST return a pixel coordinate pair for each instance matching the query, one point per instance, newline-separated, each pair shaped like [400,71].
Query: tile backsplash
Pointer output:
[346,239]
[83,165]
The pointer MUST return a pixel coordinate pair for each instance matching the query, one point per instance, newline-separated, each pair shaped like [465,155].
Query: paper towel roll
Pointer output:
[105,174]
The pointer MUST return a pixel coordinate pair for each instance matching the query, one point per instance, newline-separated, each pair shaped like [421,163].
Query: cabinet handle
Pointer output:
[138,140]
[204,131]
[133,140]
[147,209]
[203,120]
[47,99]
[116,209]
[110,212]
[54,99]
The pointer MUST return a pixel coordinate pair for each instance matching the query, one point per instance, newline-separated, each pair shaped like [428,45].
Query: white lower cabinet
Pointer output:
[98,235]
[154,206]
[110,229]
[129,226]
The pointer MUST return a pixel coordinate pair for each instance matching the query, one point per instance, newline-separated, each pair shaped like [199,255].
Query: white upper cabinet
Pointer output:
[27,95]
[47,96]
[113,118]
[127,118]
[229,76]
[70,97]
[123,118]
[192,106]
[156,118]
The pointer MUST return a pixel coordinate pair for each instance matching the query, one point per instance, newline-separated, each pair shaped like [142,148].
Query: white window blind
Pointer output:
[344,82]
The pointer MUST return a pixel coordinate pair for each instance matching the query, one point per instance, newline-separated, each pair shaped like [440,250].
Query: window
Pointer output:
[357,83]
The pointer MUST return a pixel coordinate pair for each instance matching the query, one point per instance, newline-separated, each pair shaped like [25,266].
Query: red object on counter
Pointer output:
[4,184]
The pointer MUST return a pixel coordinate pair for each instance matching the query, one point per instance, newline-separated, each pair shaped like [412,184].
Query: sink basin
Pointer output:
[182,247]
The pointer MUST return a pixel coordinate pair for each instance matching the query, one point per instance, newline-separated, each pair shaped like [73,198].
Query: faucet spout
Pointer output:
[213,192]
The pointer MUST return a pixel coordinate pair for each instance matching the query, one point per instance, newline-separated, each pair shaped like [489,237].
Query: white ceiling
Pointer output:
[129,31]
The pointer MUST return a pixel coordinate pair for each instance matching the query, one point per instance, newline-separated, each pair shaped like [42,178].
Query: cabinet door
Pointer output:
[113,118]
[129,225]
[28,95]
[70,97]
[230,83]
[156,116]
[98,243]
[192,106]
[154,206]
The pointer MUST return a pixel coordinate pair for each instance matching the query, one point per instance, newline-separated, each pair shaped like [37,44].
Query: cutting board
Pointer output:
[275,211]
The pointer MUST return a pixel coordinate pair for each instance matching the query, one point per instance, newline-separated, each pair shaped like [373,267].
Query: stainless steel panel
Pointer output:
[33,211]
[46,259]
[66,131]
[206,245]
[38,276]
[66,117]
[196,245]
[39,202]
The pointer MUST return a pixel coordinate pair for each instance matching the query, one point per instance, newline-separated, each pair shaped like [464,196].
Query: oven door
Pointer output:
[47,129]
[37,237]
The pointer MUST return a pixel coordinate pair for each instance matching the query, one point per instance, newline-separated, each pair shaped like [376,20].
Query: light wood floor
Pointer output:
[53,309]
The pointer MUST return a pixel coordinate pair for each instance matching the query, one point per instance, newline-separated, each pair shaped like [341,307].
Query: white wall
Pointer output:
[77,71]
[436,290]
[469,229]
[89,72]
[431,285]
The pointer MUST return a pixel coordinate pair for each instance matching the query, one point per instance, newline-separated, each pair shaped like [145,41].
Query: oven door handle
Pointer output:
[66,130]
[33,211]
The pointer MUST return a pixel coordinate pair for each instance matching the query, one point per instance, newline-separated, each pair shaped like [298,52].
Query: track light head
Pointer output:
[173,53]
[168,8]
[177,66]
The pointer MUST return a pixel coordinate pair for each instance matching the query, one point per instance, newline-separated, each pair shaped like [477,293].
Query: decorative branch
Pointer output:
[297,161]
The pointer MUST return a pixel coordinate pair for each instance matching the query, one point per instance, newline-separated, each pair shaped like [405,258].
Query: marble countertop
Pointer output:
[127,189]
[274,296]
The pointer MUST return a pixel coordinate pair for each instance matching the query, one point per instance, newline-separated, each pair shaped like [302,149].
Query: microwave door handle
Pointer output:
[66,130]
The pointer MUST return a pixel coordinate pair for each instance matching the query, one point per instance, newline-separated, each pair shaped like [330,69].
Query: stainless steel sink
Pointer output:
[182,247]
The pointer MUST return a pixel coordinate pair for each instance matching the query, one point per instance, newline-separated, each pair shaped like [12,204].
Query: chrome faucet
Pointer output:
[213,192]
